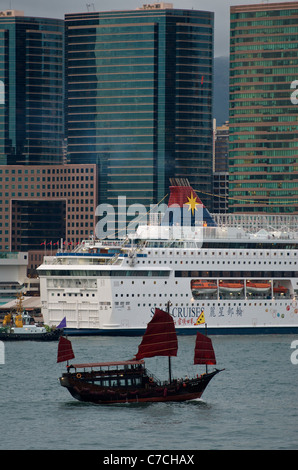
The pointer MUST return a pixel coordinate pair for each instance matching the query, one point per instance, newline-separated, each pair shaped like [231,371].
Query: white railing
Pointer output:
[255,222]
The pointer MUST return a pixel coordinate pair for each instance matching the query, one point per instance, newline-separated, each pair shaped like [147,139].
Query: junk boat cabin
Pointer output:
[111,374]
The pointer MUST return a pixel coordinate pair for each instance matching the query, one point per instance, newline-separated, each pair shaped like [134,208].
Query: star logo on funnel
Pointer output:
[192,203]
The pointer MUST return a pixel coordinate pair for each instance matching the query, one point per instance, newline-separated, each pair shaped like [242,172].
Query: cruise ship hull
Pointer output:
[105,301]
[243,330]
[112,287]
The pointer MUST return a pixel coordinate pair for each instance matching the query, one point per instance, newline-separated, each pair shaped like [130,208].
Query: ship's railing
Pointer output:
[248,222]
[9,255]
[255,222]
[236,233]
[152,376]
[229,227]
[50,260]
[210,234]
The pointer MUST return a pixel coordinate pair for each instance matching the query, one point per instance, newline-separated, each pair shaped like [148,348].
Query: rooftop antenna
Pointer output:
[88,5]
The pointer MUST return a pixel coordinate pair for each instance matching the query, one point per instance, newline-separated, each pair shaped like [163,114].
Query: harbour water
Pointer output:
[252,404]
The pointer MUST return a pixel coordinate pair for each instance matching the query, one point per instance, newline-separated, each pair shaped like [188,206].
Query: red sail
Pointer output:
[160,338]
[65,351]
[204,352]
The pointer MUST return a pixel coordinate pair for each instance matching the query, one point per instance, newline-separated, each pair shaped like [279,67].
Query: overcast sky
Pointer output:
[57,9]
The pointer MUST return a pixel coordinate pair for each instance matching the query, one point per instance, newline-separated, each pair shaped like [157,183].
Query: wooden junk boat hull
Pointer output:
[153,392]
[130,381]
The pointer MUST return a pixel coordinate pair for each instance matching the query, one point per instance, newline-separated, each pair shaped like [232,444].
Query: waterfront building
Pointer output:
[31,77]
[13,272]
[139,99]
[46,208]
[263,148]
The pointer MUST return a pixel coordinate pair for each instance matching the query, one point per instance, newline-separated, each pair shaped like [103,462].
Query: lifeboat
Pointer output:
[280,290]
[225,286]
[257,287]
[203,287]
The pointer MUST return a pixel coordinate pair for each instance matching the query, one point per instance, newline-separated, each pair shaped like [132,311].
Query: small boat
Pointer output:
[203,287]
[230,286]
[130,381]
[280,290]
[258,287]
[21,327]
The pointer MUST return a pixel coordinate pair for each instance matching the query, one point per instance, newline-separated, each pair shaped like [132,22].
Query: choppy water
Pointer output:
[253,404]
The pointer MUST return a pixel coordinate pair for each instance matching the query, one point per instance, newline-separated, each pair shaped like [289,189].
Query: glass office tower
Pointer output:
[139,99]
[263,147]
[31,73]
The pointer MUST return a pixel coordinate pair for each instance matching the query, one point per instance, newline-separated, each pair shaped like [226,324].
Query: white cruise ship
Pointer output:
[237,272]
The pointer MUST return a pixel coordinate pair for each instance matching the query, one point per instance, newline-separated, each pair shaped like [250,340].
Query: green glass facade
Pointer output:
[136,105]
[263,147]
[31,69]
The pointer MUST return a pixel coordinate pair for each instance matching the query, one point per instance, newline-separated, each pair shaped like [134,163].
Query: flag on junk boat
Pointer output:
[201,319]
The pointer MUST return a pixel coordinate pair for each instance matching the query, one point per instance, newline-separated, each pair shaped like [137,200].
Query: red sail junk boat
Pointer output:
[130,381]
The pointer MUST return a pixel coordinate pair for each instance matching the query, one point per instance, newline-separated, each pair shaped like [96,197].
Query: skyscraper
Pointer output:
[31,73]
[139,99]
[42,204]
[42,200]
[263,147]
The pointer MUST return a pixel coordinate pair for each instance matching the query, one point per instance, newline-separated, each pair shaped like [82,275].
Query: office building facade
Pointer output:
[221,147]
[31,76]
[139,99]
[46,208]
[220,168]
[263,147]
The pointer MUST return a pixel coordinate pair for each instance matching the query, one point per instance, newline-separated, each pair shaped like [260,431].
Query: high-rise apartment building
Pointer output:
[139,99]
[31,76]
[263,149]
